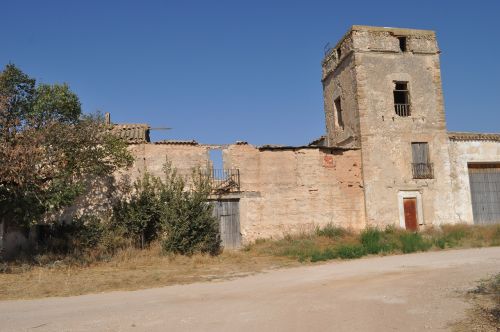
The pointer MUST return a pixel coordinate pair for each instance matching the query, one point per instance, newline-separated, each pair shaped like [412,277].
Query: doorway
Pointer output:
[228,214]
[411,215]
[410,209]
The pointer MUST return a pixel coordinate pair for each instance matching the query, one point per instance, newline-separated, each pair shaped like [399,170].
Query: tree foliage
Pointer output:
[173,210]
[48,148]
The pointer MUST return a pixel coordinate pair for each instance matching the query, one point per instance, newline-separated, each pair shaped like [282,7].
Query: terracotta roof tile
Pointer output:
[132,133]
[468,136]
[177,142]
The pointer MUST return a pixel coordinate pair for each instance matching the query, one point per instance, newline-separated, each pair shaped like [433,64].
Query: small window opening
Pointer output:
[338,108]
[401,99]
[402,44]
[339,53]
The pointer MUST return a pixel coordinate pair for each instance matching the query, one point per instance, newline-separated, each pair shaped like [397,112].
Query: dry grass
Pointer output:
[484,315]
[133,269]
[130,269]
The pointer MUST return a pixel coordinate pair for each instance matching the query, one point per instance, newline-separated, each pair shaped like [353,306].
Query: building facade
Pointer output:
[387,157]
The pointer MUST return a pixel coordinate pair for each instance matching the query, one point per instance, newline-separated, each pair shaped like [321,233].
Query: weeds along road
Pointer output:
[416,292]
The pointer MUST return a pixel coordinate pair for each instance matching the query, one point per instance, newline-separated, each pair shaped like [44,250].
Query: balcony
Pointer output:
[223,180]
[402,109]
[423,170]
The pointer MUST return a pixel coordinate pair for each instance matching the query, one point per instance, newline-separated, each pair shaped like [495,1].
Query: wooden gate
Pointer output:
[485,192]
[228,213]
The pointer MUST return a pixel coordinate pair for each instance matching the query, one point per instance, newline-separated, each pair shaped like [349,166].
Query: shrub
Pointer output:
[331,231]
[84,240]
[324,255]
[412,242]
[171,210]
[75,237]
[371,240]
[142,216]
[350,251]
[454,234]
[190,226]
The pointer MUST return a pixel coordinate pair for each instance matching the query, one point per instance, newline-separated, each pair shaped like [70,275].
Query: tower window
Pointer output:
[402,44]
[401,99]
[422,167]
[339,53]
[338,108]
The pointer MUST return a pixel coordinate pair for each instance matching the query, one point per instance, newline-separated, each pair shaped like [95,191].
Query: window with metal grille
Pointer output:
[422,168]
[401,99]
[338,108]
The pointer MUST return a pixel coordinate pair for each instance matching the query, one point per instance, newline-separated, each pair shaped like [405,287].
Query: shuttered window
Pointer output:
[420,153]
[421,166]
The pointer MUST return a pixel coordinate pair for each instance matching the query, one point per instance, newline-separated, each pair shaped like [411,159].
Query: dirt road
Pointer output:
[417,292]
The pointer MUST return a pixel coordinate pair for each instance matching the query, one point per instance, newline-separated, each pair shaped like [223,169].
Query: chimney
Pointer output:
[107,118]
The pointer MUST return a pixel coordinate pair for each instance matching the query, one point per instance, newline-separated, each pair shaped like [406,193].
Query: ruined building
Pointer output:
[386,159]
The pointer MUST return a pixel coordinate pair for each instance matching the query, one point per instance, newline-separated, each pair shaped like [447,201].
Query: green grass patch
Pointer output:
[350,251]
[412,242]
[333,242]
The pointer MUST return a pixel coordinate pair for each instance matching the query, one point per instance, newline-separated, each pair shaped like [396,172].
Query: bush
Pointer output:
[86,237]
[171,210]
[371,240]
[412,242]
[331,231]
[324,255]
[350,251]
[142,216]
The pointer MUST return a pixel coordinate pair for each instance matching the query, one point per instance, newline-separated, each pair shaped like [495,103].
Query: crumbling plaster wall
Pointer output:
[462,153]
[341,83]
[385,137]
[152,157]
[292,190]
[101,193]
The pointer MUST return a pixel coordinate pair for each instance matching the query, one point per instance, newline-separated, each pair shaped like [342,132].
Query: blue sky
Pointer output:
[221,71]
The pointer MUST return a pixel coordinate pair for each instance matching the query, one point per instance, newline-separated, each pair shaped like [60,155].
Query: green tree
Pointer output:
[48,149]
[170,209]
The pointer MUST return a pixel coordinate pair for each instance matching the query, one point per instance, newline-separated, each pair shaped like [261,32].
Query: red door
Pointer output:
[410,208]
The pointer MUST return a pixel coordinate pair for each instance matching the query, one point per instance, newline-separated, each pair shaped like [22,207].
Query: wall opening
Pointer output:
[402,44]
[338,108]
[401,99]
[216,158]
[411,213]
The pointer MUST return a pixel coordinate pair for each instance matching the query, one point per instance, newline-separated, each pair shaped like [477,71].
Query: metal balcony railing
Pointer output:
[402,109]
[423,170]
[224,180]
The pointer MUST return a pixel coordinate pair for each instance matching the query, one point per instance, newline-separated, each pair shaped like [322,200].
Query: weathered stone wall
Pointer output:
[462,153]
[386,137]
[152,157]
[293,190]
[341,83]
[102,192]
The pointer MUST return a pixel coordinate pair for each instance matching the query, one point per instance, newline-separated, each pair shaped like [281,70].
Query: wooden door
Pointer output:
[410,208]
[228,214]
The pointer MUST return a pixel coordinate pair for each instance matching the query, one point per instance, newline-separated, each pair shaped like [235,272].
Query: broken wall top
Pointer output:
[378,39]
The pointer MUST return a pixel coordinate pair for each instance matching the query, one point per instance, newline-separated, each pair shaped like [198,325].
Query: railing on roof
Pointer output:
[223,180]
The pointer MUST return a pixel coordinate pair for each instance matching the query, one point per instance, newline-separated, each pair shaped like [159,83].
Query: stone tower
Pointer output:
[382,93]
